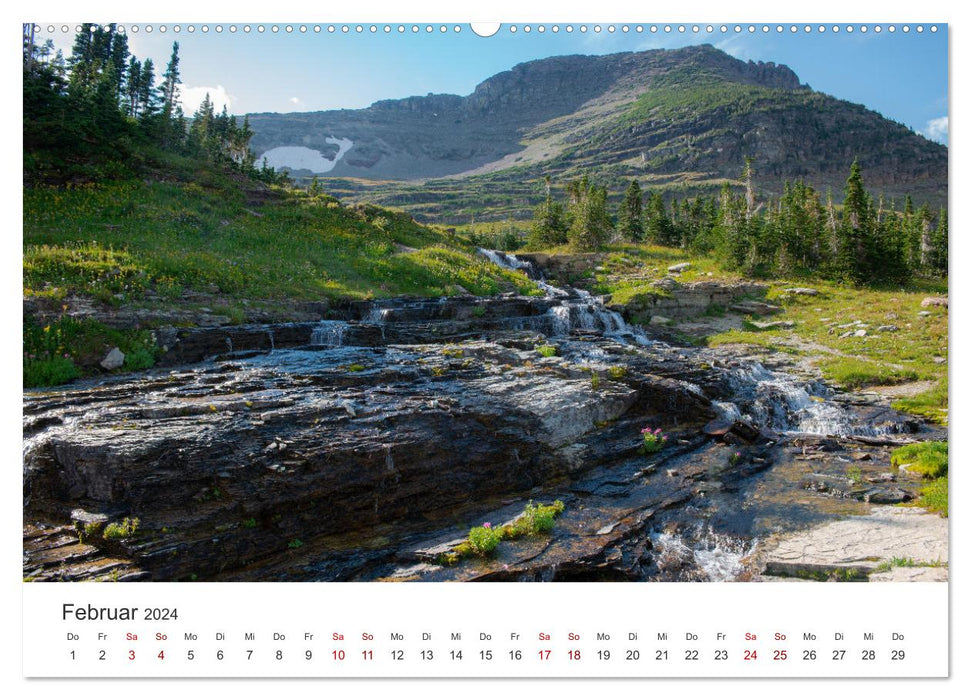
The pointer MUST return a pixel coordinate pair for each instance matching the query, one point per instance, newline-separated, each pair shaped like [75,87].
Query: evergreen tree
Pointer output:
[939,245]
[854,232]
[590,226]
[631,224]
[549,225]
[147,104]
[169,98]
[658,228]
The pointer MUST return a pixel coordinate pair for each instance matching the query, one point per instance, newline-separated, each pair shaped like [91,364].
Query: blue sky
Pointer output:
[901,75]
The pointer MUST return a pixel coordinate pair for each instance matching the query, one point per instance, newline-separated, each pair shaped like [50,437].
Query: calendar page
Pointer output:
[525,349]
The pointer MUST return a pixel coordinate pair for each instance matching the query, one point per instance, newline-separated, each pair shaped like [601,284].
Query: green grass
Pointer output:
[483,540]
[932,404]
[854,373]
[929,459]
[118,240]
[934,497]
[546,350]
[67,348]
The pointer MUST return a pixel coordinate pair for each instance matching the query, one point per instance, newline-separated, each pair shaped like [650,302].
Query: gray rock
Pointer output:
[860,333]
[114,359]
[667,284]
[758,308]
[659,320]
[680,267]
[934,301]
[888,329]
[860,542]
[803,291]
[773,325]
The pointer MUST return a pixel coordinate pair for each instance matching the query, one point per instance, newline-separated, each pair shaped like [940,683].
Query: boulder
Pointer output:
[114,359]
[888,328]
[680,267]
[803,291]
[934,301]
[659,320]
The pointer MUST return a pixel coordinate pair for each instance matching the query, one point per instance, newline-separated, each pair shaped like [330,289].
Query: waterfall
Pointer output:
[784,403]
[329,333]
[511,262]
[378,315]
[577,308]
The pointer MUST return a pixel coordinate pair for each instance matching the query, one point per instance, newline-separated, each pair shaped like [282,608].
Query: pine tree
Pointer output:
[169,97]
[549,226]
[658,227]
[631,223]
[939,245]
[147,104]
[590,226]
[854,231]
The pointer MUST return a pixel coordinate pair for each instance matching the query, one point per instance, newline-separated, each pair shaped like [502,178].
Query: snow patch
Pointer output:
[303,158]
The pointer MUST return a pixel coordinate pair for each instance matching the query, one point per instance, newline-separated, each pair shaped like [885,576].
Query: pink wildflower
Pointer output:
[487,526]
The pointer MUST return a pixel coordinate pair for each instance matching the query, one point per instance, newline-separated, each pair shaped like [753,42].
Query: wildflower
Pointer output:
[487,526]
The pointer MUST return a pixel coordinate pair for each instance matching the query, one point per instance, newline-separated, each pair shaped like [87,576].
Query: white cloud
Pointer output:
[936,130]
[192,97]
[296,102]
[738,46]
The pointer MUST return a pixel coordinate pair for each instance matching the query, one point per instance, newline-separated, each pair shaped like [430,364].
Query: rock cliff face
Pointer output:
[693,113]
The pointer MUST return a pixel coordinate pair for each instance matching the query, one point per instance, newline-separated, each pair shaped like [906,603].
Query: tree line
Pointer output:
[95,112]
[865,240]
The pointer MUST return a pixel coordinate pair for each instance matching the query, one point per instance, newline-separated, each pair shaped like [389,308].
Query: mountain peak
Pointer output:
[689,116]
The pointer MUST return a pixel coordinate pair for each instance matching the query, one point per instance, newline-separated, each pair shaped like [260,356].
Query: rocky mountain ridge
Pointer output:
[683,119]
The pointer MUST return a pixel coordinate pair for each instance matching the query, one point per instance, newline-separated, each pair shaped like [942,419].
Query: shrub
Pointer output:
[546,350]
[538,518]
[484,540]
[295,544]
[654,440]
[138,359]
[120,530]
[49,372]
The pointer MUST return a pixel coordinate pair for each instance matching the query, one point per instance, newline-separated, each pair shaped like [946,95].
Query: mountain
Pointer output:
[683,120]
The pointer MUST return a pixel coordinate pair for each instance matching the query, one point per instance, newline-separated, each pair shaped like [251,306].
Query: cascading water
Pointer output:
[329,333]
[783,403]
[577,308]
[717,556]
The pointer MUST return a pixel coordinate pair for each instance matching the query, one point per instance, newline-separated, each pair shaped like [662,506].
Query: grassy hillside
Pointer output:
[199,229]
[118,240]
